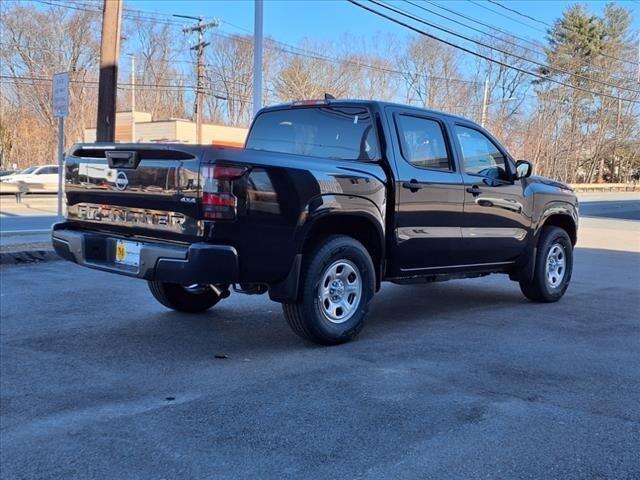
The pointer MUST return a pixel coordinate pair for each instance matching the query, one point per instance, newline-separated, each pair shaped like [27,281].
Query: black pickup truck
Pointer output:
[328,199]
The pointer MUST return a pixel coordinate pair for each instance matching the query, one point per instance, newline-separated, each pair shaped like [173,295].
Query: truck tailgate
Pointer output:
[148,190]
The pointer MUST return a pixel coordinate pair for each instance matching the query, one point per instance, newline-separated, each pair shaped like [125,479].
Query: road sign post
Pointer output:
[60,99]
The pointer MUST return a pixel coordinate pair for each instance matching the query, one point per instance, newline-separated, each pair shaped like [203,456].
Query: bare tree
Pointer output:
[508,90]
[230,70]
[34,45]
[432,74]
[570,134]
[160,83]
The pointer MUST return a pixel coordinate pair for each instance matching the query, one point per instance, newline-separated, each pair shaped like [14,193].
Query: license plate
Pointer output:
[128,253]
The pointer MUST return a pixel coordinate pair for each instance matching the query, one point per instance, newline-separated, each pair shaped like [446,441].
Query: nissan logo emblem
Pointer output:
[121,181]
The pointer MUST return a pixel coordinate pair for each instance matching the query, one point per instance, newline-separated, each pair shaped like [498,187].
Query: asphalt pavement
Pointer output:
[26,226]
[462,380]
[27,223]
[623,208]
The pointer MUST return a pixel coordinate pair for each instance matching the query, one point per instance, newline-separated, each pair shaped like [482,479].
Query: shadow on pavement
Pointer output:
[254,327]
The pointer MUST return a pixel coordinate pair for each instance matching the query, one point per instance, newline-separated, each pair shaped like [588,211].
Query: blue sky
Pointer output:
[293,20]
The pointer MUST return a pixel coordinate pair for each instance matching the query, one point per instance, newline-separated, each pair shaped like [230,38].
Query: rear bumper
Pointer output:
[196,263]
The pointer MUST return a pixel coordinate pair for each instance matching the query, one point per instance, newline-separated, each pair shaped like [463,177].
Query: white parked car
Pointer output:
[17,173]
[37,179]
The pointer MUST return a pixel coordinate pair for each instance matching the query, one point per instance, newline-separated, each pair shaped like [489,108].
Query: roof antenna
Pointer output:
[328,96]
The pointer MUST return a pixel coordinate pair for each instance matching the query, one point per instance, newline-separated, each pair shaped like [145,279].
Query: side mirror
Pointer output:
[524,169]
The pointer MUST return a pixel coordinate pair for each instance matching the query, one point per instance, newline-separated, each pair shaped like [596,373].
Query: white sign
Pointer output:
[61,94]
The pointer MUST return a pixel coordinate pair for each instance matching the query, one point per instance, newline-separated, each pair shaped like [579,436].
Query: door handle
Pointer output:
[474,190]
[412,185]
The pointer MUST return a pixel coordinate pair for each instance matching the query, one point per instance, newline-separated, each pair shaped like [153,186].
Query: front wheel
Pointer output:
[553,268]
[337,283]
[184,298]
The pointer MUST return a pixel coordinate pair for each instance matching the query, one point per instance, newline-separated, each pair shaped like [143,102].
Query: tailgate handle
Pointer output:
[122,159]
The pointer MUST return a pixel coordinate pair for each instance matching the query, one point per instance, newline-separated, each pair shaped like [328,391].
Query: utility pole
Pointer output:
[615,144]
[133,97]
[485,102]
[199,28]
[257,55]
[60,107]
[108,80]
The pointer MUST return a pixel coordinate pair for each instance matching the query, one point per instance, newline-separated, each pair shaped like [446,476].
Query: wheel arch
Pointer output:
[356,217]
[359,226]
[565,220]
[560,214]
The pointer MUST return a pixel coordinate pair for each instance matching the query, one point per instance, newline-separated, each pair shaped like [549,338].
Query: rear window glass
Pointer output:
[423,143]
[344,133]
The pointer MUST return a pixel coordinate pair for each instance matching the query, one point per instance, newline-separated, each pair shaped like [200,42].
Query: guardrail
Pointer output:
[606,187]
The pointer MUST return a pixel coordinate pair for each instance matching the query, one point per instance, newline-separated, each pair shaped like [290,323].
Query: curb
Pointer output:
[28,256]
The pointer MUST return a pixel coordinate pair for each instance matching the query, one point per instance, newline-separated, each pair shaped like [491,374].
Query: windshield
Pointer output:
[343,133]
[27,170]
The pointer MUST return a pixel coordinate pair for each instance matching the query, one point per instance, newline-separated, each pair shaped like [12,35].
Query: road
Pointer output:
[624,206]
[27,223]
[462,380]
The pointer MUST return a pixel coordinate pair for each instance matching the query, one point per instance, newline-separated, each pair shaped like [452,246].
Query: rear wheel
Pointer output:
[337,283]
[553,268]
[184,298]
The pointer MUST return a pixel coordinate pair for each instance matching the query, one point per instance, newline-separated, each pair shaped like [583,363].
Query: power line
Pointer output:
[539,21]
[272,44]
[306,53]
[524,39]
[478,42]
[475,29]
[493,27]
[480,55]
[142,15]
[94,84]
[507,16]
[293,50]
[506,39]
[523,15]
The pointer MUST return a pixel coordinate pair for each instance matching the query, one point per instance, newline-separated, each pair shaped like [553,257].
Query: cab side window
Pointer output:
[480,156]
[423,143]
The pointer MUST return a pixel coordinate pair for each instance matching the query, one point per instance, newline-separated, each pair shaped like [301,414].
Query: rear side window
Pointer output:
[423,143]
[343,133]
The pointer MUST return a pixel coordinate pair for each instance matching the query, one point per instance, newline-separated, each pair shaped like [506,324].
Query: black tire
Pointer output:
[306,317]
[541,288]
[183,299]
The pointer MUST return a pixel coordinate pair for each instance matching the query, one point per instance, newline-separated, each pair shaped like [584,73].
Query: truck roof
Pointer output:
[379,103]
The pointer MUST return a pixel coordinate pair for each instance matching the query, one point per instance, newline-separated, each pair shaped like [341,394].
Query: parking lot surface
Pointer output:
[462,379]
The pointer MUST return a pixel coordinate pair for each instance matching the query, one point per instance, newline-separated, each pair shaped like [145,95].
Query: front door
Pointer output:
[496,212]
[429,194]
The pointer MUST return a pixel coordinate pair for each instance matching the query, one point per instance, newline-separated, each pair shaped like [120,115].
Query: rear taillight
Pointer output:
[218,200]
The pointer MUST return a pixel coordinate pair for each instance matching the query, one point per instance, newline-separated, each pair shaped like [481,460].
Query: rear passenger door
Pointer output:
[429,193]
